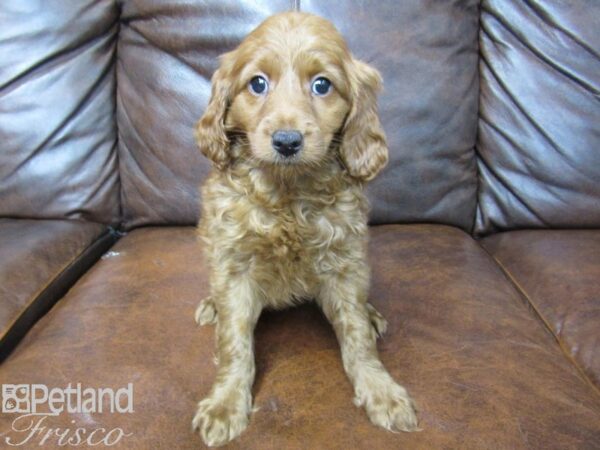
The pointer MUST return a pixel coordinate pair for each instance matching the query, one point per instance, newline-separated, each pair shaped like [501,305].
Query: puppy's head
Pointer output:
[292,95]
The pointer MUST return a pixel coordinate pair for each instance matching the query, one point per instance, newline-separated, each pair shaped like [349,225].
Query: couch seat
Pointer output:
[558,271]
[39,260]
[483,369]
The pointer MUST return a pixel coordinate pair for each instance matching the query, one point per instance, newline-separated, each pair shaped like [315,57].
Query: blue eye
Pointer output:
[321,86]
[258,85]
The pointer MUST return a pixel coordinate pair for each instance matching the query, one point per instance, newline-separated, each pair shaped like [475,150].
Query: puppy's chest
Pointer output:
[295,232]
[292,235]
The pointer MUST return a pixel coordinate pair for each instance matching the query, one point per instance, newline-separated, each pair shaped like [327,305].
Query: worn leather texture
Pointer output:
[539,127]
[558,272]
[38,259]
[483,370]
[168,52]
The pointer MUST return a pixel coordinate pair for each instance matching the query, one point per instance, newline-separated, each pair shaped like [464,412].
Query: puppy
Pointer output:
[293,132]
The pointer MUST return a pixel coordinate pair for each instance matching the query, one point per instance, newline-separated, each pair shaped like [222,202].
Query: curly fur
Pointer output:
[277,231]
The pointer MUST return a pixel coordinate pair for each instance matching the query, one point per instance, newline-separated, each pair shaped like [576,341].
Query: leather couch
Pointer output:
[485,246]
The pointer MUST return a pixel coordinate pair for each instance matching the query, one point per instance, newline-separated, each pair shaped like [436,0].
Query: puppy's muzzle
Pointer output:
[287,142]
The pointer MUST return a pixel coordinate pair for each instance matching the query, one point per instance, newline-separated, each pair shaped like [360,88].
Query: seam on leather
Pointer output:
[539,315]
[108,234]
[48,283]
[119,219]
[473,230]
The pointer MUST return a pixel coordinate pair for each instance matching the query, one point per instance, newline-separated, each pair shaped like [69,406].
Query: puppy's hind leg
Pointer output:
[206,313]
[224,413]
[343,300]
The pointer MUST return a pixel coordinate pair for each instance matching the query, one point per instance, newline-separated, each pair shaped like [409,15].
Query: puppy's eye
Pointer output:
[258,85]
[321,86]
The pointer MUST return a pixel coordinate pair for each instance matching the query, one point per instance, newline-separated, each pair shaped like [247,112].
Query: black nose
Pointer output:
[287,142]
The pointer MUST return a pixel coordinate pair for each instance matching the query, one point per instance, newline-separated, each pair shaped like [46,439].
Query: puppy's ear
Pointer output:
[210,129]
[364,149]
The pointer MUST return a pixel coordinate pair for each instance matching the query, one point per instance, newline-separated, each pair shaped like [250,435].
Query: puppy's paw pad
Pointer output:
[206,313]
[218,423]
[377,320]
[395,412]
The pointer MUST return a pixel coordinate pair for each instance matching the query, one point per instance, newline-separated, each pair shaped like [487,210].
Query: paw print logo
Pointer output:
[15,398]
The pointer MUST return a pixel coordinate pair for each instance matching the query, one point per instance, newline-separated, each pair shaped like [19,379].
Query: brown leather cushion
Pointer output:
[426,51]
[539,127]
[39,261]
[167,53]
[483,370]
[58,158]
[559,274]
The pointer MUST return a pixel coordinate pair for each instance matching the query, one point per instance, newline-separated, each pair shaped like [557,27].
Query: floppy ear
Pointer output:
[210,129]
[364,149]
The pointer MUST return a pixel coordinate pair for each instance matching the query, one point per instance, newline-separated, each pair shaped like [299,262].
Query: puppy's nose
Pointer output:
[287,142]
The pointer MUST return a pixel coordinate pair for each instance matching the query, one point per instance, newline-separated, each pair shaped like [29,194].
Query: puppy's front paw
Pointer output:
[206,313]
[220,422]
[392,409]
